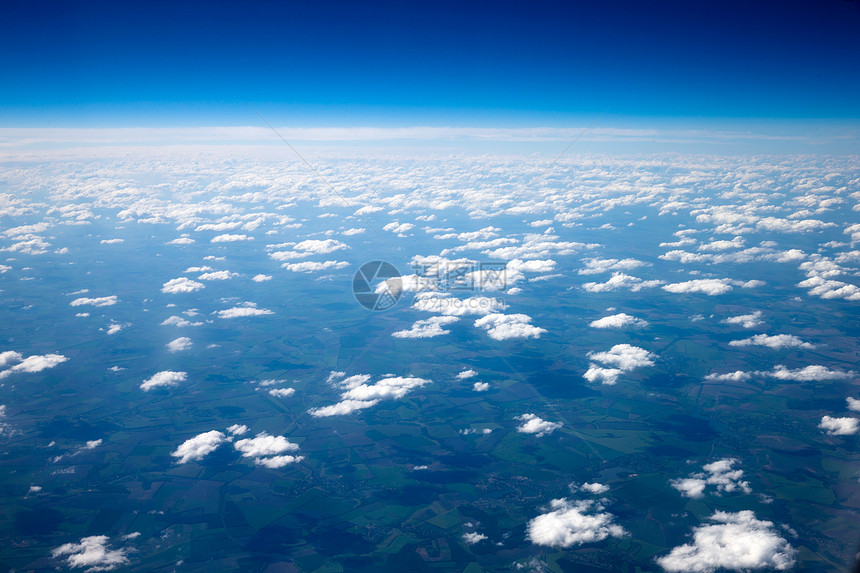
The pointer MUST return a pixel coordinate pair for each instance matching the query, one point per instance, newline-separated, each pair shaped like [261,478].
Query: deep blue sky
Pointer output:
[438,63]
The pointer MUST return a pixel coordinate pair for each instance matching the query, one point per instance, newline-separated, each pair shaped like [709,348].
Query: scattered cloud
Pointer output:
[777,341]
[181,285]
[570,523]
[620,320]
[532,424]
[92,552]
[721,474]
[621,281]
[745,320]
[839,426]
[198,447]
[359,395]
[180,344]
[509,326]
[99,301]
[31,364]
[163,378]
[427,328]
[247,309]
[815,372]
[710,287]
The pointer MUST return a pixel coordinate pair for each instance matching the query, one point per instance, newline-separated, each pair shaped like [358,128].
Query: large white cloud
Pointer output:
[198,447]
[532,424]
[509,326]
[264,445]
[839,426]
[735,541]
[570,523]
[620,320]
[163,378]
[92,552]
[776,341]
[181,285]
[427,328]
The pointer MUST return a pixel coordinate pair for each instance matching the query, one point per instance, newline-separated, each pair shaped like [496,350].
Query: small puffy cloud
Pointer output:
[620,320]
[261,278]
[830,289]
[736,376]
[399,228]
[358,394]
[624,356]
[282,392]
[99,301]
[710,287]
[427,328]
[179,321]
[228,238]
[595,488]
[596,265]
[320,247]
[839,426]
[735,541]
[264,445]
[163,378]
[570,523]
[473,538]
[181,285]
[247,309]
[466,374]
[777,341]
[815,372]
[721,474]
[480,386]
[342,408]
[620,281]
[92,552]
[607,376]
[313,266]
[198,447]
[217,276]
[31,364]
[508,326]
[275,462]
[853,404]
[111,241]
[532,424]
[745,320]
[180,344]
[452,306]
[237,429]
[181,241]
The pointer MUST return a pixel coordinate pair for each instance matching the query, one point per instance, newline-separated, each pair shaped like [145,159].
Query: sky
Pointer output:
[320,64]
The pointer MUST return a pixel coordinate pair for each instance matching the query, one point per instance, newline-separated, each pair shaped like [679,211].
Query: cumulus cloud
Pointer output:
[198,447]
[481,386]
[473,538]
[570,523]
[722,474]
[427,328]
[839,426]
[228,238]
[264,445]
[830,289]
[620,281]
[736,376]
[358,395]
[247,309]
[735,541]
[180,344]
[853,404]
[163,378]
[620,320]
[217,276]
[313,266]
[595,265]
[607,376]
[179,321]
[509,326]
[92,552]
[745,320]
[466,374]
[282,392]
[320,247]
[181,241]
[31,364]
[99,301]
[710,287]
[595,488]
[261,278]
[237,429]
[777,341]
[181,285]
[815,372]
[624,356]
[532,424]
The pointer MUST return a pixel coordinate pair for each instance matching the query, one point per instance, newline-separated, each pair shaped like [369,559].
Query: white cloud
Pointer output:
[607,376]
[596,265]
[111,241]
[736,376]
[313,266]
[31,364]
[248,309]
[237,429]
[710,287]
[572,523]
[624,356]
[815,372]
[217,276]
[720,473]
[163,378]
[180,344]
[179,321]
[282,392]
[509,326]
[466,374]
[532,424]
[427,328]
[99,301]
[451,306]
[777,341]
[473,538]
[228,238]
[830,289]
[839,426]
[261,278]
[359,395]
[276,462]
[181,241]
[342,408]
[320,247]
[745,320]
[198,447]
[264,445]
[399,228]
[736,541]
[619,320]
[181,285]
[853,404]
[481,386]
[92,552]
[595,488]
[621,281]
